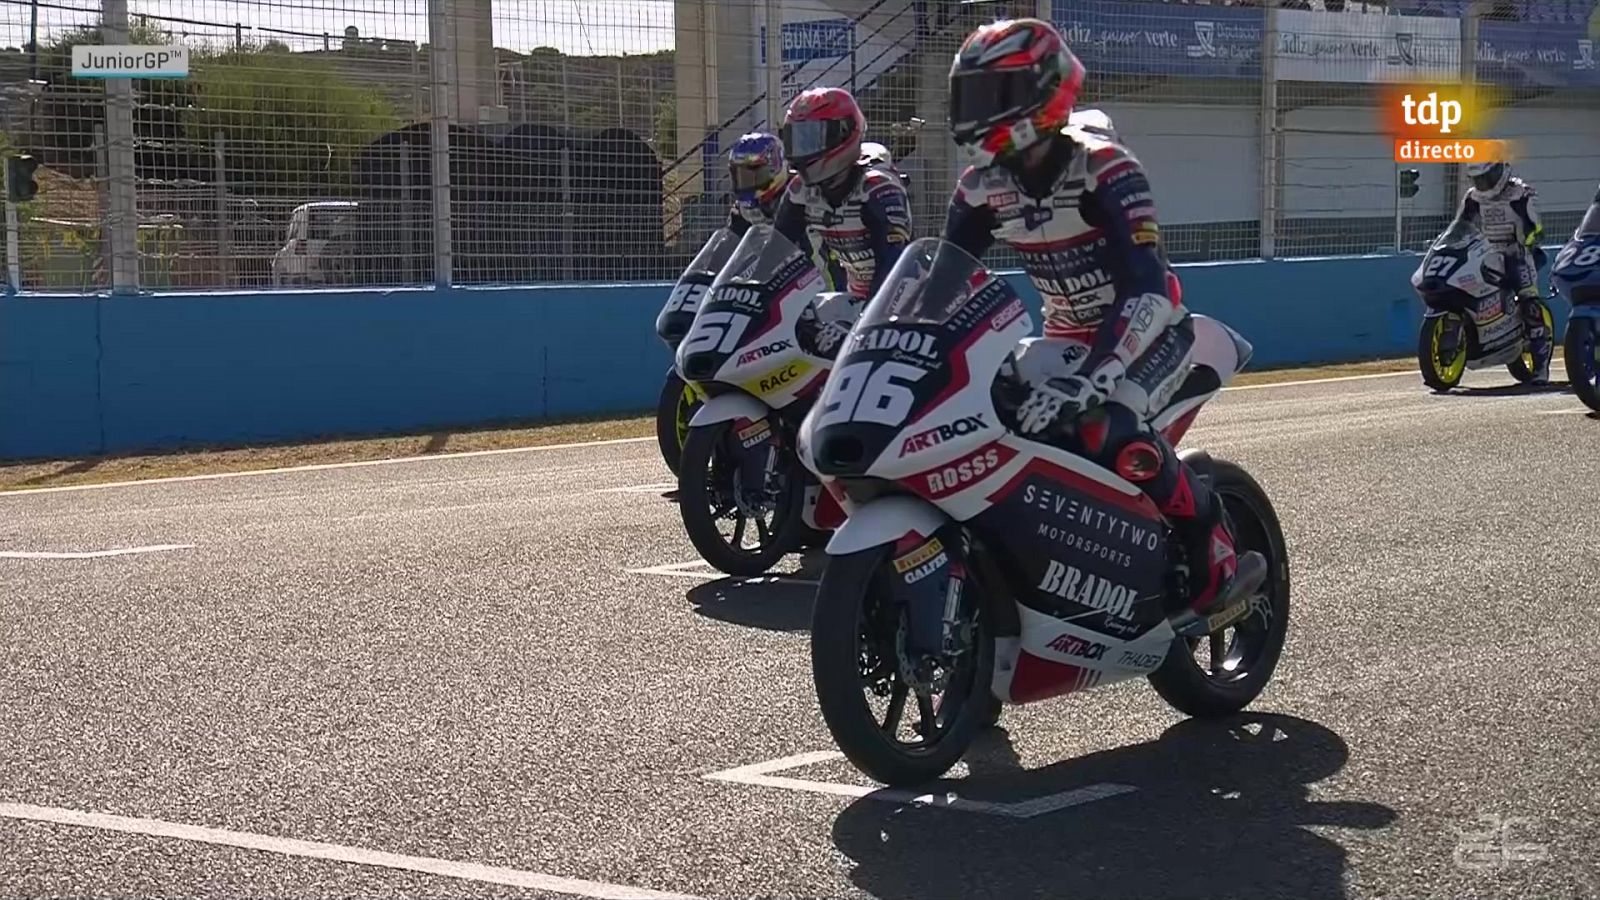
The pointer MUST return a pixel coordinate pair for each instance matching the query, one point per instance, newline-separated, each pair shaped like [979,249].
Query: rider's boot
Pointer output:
[1220,580]
[1539,338]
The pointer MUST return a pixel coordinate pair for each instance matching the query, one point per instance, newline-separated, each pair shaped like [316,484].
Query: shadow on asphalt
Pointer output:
[1220,811]
[1509,390]
[769,603]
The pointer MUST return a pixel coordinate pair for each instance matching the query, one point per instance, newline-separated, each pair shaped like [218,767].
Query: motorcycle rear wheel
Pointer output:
[1437,373]
[854,603]
[1244,655]
[1581,350]
[697,495]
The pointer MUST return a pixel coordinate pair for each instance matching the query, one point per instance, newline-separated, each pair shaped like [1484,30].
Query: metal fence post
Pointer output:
[1045,11]
[1270,132]
[440,59]
[774,66]
[123,221]
[219,157]
[567,222]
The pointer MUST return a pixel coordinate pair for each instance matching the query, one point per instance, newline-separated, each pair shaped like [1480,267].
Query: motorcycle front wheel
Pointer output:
[1241,658]
[715,486]
[857,636]
[1442,351]
[1581,350]
[674,408]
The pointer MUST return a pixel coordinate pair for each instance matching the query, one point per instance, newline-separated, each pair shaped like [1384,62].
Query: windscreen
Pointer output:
[762,255]
[932,282]
[1590,225]
[712,257]
[1459,234]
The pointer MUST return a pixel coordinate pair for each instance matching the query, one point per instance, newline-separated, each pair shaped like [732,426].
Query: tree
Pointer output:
[286,119]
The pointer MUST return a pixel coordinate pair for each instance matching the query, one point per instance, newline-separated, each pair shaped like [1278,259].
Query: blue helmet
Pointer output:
[757,169]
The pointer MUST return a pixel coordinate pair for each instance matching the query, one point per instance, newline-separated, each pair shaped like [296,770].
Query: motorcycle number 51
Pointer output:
[871,392]
[719,331]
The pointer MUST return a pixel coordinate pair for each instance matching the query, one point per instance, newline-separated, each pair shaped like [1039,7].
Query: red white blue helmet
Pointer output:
[1012,83]
[822,134]
[757,170]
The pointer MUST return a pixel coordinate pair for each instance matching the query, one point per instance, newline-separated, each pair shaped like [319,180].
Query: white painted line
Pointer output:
[336,852]
[1279,384]
[687,570]
[641,488]
[762,775]
[324,467]
[1554,364]
[467,454]
[92,554]
[1582,411]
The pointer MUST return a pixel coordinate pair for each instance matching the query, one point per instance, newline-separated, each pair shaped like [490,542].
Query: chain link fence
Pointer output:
[414,142]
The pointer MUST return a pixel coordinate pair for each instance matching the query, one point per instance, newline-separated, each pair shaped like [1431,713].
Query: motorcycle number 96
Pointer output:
[872,392]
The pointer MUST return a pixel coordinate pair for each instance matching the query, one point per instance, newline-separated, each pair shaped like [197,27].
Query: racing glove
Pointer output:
[830,334]
[1069,396]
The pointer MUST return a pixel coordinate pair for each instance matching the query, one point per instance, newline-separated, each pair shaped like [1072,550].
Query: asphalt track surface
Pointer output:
[449,659]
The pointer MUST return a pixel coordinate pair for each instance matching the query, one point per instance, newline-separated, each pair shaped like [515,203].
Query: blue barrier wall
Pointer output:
[88,375]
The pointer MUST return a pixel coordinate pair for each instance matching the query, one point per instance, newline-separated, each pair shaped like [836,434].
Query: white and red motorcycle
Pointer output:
[979,567]
[751,353]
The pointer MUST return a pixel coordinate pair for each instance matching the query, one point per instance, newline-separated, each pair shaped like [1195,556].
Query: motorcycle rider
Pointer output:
[759,173]
[1504,208]
[858,211]
[1076,206]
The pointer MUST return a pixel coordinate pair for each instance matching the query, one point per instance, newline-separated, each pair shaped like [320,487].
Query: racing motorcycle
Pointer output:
[1472,320]
[751,351]
[977,567]
[680,399]
[1577,275]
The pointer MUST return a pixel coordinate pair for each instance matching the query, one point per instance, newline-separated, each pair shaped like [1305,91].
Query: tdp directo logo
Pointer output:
[1441,124]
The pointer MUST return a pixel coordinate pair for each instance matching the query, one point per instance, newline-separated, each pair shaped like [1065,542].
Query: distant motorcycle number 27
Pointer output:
[874,392]
[719,331]
[1440,266]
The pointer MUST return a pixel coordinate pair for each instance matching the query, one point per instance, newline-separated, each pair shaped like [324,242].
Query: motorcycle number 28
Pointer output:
[873,392]
[1580,256]
[719,330]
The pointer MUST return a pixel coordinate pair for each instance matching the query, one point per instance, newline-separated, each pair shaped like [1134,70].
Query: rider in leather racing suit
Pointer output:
[759,174]
[1504,208]
[858,211]
[1076,206]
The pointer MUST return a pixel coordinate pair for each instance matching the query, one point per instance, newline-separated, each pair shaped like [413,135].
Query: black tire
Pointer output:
[1427,359]
[694,493]
[1179,679]
[1578,350]
[674,408]
[836,660]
